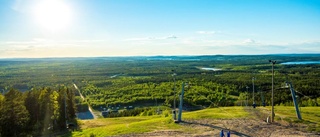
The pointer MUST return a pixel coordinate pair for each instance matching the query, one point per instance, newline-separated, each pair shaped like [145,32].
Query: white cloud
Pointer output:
[139,39]
[249,41]
[167,45]
[151,38]
[39,40]
[206,32]
[171,37]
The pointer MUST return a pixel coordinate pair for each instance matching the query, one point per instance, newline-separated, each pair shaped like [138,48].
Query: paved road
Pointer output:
[85,115]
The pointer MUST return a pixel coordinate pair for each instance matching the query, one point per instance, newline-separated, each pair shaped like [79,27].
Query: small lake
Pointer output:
[213,69]
[300,62]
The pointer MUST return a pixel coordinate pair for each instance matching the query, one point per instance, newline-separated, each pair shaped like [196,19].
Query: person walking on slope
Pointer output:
[221,133]
[228,134]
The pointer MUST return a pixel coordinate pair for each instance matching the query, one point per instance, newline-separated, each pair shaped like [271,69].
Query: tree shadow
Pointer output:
[216,127]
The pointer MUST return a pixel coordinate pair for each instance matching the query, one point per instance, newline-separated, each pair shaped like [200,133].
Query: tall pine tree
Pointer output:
[14,115]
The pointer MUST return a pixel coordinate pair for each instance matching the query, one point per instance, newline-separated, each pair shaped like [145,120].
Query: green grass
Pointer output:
[217,113]
[310,115]
[125,125]
[142,124]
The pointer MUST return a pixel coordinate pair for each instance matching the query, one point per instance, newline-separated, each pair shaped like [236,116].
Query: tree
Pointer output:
[71,107]
[32,105]
[14,115]
[62,104]
[54,107]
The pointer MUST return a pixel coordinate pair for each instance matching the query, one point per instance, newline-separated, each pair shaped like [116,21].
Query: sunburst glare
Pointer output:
[53,15]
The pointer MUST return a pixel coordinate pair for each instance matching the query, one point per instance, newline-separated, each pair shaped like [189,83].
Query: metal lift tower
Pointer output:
[181,103]
[293,93]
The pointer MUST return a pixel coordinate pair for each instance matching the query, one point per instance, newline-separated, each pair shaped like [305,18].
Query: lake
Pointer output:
[213,69]
[300,62]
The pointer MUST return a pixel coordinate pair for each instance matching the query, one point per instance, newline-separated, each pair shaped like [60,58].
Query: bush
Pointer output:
[166,113]
[92,135]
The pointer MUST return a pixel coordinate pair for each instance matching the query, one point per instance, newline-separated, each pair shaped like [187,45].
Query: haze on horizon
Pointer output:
[83,28]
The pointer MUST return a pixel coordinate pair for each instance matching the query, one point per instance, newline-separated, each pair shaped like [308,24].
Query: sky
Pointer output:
[90,28]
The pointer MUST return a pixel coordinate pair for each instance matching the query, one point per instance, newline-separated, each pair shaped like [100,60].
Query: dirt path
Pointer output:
[252,126]
[90,109]
[237,128]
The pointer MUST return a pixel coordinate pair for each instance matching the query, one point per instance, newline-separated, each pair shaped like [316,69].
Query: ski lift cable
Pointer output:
[252,131]
[302,94]
[228,114]
[306,96]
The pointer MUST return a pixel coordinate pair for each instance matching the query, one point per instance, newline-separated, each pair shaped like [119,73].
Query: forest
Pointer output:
[40,92]
[38,112]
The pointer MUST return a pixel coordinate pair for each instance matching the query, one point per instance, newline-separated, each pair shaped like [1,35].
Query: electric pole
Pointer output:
[272,99]
[254,103]
[247,95]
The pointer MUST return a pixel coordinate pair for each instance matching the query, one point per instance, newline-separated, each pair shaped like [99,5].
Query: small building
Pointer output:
[105,113]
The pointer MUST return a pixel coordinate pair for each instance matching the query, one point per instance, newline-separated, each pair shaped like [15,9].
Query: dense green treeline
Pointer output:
[205,89]
[36,112]
[145,85]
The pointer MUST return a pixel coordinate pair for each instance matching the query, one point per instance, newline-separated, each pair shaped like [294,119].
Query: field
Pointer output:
[241,121]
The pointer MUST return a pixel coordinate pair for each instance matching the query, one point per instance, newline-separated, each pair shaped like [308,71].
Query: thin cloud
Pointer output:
[85,41]
[152,38]
[249,41]
[206,32]
[37,41]
[22,6]
[171,37]
[18,42]
[139,39]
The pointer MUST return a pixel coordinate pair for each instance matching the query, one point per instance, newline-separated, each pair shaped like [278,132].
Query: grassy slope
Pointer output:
[142,124]
[310,115]
[217,113]
[129,125]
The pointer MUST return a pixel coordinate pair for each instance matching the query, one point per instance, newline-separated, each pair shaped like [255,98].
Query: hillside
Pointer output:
[240,121]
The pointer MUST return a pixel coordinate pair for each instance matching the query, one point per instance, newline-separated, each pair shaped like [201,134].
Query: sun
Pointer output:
[53,15]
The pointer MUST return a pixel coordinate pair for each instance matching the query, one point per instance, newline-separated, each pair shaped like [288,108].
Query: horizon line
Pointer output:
[124,56]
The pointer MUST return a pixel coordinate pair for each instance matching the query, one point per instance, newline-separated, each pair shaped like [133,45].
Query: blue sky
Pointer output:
[81,28]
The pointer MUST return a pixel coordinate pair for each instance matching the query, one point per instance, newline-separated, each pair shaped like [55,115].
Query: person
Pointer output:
[254,105]
[228,134]
[221,133]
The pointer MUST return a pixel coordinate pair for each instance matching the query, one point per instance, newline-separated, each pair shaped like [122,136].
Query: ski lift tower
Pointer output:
[294,98]
[254,103]
[181,103]
[174,94]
